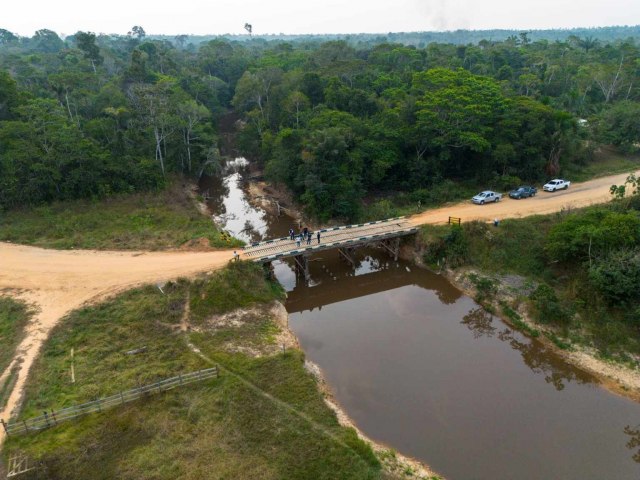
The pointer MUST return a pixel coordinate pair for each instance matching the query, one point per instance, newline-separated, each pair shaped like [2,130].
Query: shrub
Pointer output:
[617,276]
[506,182]
[548,306]
[485,287]
[453,247]
[594,233]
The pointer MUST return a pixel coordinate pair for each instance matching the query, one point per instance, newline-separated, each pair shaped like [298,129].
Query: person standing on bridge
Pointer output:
[291,233]
[298,240]
[318,235]
[309,235]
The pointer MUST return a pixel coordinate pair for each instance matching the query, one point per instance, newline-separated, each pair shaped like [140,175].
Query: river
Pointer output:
[422,368]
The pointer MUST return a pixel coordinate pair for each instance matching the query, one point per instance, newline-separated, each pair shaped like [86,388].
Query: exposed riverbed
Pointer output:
[422,368]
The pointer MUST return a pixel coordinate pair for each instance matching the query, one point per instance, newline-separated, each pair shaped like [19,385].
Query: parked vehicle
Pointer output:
[523,192]
[486,197]
[557,184]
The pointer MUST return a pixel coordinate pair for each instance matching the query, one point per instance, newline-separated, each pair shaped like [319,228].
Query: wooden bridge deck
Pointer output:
[339,237]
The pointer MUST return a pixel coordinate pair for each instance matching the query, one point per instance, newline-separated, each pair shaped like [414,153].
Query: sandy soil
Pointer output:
[56,282]
[578,195]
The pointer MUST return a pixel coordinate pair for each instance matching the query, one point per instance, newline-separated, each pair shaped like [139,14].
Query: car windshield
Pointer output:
[521,189]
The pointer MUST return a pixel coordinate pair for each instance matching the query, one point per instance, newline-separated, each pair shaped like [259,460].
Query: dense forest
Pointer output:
[335,121]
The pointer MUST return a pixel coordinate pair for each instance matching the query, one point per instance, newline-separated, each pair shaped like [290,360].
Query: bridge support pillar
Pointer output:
[392,246]
[302,266]
[347,254]
[268,270]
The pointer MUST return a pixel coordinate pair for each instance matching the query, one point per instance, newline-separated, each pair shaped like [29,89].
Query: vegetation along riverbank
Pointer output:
[240,425]
[569,278]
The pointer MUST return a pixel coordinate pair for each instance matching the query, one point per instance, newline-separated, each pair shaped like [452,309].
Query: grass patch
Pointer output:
[7,385]
[515,318]
[14,316]
[263,418]
[238,286]
[141,221]
[606,161]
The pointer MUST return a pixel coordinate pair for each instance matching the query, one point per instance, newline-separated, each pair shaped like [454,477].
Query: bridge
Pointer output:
[383,233]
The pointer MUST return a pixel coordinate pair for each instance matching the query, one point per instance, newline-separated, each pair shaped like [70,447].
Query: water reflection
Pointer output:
[232,211]
[634,441]
[394,344]
[534,354]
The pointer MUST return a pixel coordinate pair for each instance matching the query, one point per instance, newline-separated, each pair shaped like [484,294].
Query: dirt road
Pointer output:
[578,195]
[59,281]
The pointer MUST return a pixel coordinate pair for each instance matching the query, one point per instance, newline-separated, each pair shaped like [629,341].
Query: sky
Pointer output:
[24,17]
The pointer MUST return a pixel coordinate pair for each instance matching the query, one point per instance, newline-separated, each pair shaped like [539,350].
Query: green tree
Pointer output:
[86,42]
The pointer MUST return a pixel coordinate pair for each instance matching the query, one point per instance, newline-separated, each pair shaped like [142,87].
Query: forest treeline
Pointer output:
[91,115]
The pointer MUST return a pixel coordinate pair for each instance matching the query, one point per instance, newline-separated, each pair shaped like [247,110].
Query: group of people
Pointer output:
[304,235]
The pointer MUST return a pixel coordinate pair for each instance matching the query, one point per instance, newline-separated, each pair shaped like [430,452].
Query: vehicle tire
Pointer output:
[565,187]
[533,194]
[481,202]
[497,200]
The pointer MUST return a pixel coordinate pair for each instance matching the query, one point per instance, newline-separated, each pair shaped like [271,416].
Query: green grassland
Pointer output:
[264,417]
[140,221]
[14,316]
[607,160]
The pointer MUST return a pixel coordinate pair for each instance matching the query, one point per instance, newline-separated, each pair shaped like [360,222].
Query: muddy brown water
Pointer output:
[423,369]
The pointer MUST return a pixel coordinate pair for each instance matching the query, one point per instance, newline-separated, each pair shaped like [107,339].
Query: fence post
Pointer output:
[121,397]
[4,425]
[99,409]
[180,377]
[46,418]
[26,428]
[217,372]
[53,414]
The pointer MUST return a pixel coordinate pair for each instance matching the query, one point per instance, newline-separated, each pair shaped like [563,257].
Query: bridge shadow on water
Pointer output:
[334,281]
[424,369]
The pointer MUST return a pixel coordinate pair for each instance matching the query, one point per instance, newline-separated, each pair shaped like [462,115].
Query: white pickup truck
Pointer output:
[557,184]
[486,197]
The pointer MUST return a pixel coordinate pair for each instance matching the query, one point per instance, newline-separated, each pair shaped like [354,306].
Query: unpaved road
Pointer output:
[57,282]
[578,195]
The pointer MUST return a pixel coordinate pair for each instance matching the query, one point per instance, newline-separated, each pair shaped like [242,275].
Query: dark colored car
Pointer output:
[523,192]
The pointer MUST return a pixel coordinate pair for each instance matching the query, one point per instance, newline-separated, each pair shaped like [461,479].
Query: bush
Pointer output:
[597,232]
[617,276]
[505,182]
[453,247]
[485,287]
[548,306]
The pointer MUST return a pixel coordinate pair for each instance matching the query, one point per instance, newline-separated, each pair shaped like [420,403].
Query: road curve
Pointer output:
[58,281]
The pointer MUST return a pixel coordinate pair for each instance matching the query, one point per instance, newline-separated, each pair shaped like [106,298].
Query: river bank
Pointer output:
[506,298]
[399,465]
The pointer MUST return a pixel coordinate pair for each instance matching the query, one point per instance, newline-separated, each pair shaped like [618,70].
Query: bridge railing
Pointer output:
[345,243]
[324,230]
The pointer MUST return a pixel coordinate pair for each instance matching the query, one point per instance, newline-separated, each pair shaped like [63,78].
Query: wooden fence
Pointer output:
[52,418]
